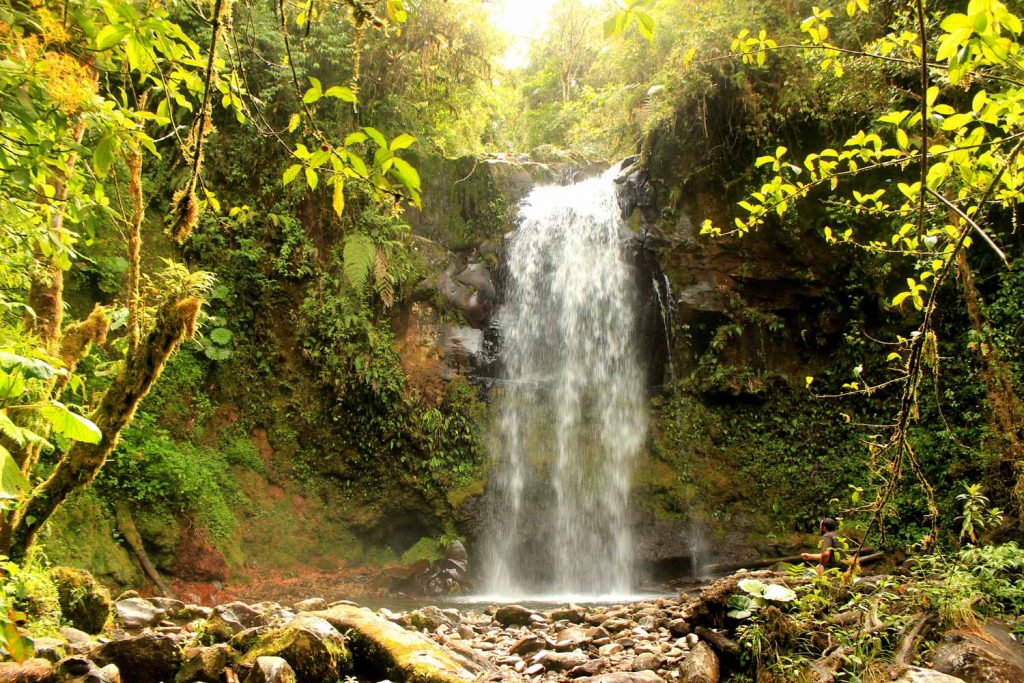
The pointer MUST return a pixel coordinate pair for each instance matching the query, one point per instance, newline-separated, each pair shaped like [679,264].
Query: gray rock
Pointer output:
[534,670]
[73,635]
[513,615]
[195,612]
[229,620]
[993,656]
[136,613]
[204,664]
[701,666]
[82,670]
[311,646]
[50,649]
[270,670]
[150,657]
[169,605]
[310,605]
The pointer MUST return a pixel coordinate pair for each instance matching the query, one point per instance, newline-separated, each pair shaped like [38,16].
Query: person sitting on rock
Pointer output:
[826,557]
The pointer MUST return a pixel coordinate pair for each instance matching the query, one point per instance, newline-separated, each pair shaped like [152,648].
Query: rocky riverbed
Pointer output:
[676,638]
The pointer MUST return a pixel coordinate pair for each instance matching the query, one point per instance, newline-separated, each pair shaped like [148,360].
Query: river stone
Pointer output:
[314,649]
[30,670]
[84,603]
[136,613]
[170,605]
[913,674]
[572,613]
[310,605]
[571,638]
[616,625]
[648,661]
[204,664]
[50,649]
[229,620]
[150,657]
[528,645]
[430,619]
[701,666]
[679,628]
[625,677]
[513,615]
[590,668]
[560,661]
[270,670]
[244,640]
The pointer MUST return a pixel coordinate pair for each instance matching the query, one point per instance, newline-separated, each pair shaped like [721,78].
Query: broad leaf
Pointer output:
[12,481]
[69,424]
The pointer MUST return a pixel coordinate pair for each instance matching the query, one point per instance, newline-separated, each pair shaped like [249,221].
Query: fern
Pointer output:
[359,257]
[382,279]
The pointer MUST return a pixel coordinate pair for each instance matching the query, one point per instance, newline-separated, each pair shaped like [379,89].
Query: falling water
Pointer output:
[571,415]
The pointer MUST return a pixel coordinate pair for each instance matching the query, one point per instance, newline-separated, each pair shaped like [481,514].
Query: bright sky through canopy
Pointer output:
[523,21]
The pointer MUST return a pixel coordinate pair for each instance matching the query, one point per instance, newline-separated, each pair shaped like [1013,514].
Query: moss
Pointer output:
[83,602]
[315,654]
[81,534]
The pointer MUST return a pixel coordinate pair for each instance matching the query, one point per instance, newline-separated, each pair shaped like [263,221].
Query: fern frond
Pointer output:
[358,259]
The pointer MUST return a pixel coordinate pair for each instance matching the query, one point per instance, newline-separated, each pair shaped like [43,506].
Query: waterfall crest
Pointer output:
[571,413]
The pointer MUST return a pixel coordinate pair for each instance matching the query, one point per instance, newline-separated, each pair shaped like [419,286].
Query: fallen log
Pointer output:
[761,563]
[719,642]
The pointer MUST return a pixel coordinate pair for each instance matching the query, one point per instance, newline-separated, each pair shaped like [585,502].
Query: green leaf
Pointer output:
[293,122]
[69,424]
[32,368]
[341,92]
[291,173]
[406,174]
[220,335]
[376,136]
[645,26]
[103,155]
[312,179]
[314,93]
[777,593]
[358,259]
[12,481]
[957,121]
[401,142]
[752,586]
[110,35]
[355,138]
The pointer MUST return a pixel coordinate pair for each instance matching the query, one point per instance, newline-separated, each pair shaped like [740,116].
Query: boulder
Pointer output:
[513,615]
[150,657]
[84,603]
[701,666]
[136,613]
[386,650]
[314,649]
[992,656]
[29,671]
[228,620]
[50,649]
[270,670]
[204,664]
[310,605]
[430,619]
[647,661]
[913,674]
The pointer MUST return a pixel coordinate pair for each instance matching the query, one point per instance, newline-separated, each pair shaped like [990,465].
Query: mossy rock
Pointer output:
[83,601]
[382,649]
[310,645]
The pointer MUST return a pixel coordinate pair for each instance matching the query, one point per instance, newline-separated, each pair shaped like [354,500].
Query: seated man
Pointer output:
[826,557]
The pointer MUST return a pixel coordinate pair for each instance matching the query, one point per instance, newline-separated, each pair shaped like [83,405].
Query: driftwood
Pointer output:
[126,525]
[721,643]
[763,562]
[910,635]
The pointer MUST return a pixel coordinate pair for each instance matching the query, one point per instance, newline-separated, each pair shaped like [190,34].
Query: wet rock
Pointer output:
[230,619]
[50,649]
[169,605]
[560,661]
[29,671]
[616,625]
[913,674]
[83,601]
[701,666]
[990,657]
[204,664]
[571,638]
[590,668]
[648,661]
[190,612]
[381,646]
[625,677]
[244,640]
[150,657]
[313,648]
[679,628]
[136,613]
[430,619]
[572,613]
[270,670]
[73,635]
[310,605]
[513,615]
[529,645]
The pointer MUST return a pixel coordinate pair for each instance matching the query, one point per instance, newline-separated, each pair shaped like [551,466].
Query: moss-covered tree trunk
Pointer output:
[175,321]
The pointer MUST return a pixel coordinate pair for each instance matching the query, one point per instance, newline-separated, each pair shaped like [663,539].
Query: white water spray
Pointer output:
[571,411]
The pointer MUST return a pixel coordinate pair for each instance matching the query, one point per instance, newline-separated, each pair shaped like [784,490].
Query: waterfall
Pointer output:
[571,410]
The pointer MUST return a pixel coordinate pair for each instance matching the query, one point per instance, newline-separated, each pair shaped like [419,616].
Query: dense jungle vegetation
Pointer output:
[221,224]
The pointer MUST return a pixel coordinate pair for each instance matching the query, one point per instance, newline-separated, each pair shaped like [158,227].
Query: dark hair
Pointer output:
[830,524]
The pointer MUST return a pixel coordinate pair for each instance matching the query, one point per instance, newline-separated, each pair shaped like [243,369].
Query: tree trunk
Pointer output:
[175,320]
